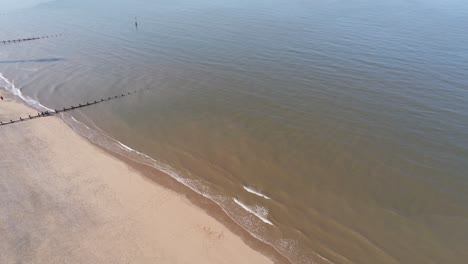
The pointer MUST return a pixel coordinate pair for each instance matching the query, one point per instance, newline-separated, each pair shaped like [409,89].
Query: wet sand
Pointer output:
[64,200]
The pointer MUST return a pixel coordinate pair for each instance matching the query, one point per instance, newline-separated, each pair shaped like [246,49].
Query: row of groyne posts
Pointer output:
[28,39]
[66,109]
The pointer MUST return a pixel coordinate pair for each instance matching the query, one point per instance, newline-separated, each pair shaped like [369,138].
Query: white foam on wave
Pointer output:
[125,146]
[252,190]
[74,119]
[259,211]
[10,86]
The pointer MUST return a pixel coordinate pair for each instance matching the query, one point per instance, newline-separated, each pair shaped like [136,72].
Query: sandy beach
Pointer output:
[64,200]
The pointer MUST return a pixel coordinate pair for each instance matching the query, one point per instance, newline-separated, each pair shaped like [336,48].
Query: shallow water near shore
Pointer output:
[335,131]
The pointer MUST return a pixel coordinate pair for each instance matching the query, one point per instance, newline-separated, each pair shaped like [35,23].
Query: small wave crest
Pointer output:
[259,211]
[10,86]
[252,190]
[125,146]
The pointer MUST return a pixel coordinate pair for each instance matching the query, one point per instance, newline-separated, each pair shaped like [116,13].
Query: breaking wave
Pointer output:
[10,86]
[251,190]
[259,211]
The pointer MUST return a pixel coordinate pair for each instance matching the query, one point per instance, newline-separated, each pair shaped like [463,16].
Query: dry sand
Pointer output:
[64,200]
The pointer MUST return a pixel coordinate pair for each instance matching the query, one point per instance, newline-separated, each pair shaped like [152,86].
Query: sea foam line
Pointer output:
[125,146]
[251,190]
[10,86]
[258,211]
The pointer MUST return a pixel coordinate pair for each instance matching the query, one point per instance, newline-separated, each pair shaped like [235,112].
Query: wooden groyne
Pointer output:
[66,109]
[29,39]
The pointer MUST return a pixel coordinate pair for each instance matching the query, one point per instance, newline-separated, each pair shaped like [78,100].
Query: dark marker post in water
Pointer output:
[136,23]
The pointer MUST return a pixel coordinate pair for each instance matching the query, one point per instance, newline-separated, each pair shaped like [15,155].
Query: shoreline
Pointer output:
[205,204]
[149,179]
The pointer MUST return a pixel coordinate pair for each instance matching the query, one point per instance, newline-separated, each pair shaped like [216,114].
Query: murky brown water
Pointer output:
[336,131]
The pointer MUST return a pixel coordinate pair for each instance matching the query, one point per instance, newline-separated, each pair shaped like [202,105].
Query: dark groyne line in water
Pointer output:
[66,109]
[29,39]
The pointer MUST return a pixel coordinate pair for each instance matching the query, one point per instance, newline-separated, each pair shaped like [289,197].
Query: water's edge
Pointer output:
[173,181]
[146,165]
[207,205]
